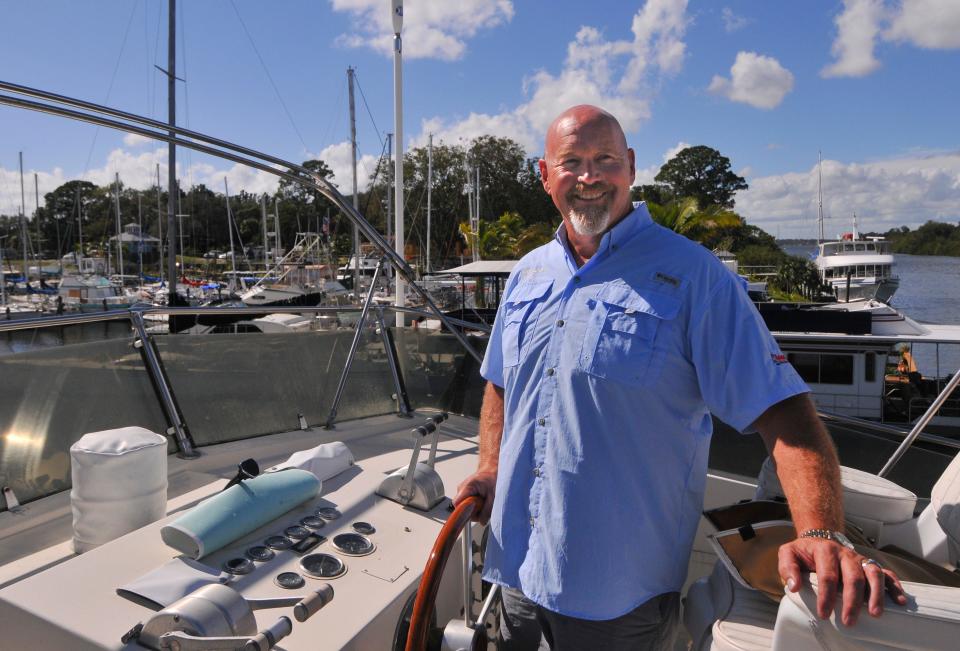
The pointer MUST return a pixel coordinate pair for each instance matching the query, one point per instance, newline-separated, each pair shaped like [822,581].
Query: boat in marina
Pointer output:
[858,268]
[386,417]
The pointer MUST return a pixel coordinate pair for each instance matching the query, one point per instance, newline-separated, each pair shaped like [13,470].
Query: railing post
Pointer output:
[332,417]
[403,401]
[177,427]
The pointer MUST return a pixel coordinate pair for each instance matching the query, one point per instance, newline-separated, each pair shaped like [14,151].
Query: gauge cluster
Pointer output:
[302,538]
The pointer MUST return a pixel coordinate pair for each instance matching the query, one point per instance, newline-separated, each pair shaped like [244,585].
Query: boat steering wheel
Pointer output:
[424,604]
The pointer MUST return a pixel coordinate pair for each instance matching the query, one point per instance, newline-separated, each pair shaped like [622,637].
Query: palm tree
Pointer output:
[686,218]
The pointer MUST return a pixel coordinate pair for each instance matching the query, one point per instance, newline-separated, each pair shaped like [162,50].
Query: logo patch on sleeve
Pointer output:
[778,358]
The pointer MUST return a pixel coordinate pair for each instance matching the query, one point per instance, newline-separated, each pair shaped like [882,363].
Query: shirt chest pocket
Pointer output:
[620,342]
[520,313]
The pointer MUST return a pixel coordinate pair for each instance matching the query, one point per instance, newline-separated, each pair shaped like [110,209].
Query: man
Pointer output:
[613,345]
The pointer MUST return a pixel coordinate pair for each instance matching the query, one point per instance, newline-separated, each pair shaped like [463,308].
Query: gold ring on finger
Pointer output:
[870,561]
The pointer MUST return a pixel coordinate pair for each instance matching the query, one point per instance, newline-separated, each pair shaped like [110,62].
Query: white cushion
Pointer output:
[929,621]
[119,484]
[945,498]
[748,624]
[864,495]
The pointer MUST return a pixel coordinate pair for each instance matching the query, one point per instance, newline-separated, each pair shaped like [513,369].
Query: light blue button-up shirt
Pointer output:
[610,374]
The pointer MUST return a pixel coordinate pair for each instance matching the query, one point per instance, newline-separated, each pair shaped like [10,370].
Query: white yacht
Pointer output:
[858,268]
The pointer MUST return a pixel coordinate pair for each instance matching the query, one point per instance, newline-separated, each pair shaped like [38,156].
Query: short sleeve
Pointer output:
[492,367]
[739,366]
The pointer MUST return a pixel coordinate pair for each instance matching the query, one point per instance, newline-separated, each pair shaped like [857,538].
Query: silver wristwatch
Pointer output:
[827,534]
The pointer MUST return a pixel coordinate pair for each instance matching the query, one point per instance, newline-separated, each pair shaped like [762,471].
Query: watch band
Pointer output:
[826,534]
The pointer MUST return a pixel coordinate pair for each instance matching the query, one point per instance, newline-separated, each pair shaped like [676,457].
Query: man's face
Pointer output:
[587,170]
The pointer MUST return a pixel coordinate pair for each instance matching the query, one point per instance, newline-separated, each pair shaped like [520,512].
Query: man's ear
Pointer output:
[633,164]
[542,164]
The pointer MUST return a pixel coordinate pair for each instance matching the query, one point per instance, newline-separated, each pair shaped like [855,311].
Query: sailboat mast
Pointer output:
[263,223]
[356,198]
[172,191]
[820,196]
[79,227]
[397,6]
[159,223]
[119,230]
[429,192]
[36,219]
[233,259]
[23,224]
[140,237]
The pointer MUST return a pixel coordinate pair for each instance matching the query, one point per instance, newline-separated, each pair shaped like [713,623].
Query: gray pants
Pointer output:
[525,626]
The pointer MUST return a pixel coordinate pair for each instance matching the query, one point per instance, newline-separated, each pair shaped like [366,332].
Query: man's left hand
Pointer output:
[837,566]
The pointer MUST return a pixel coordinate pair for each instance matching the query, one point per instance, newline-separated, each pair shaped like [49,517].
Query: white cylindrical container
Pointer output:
[119,484]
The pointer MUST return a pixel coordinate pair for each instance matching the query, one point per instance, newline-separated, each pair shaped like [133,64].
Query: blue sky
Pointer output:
[871,83]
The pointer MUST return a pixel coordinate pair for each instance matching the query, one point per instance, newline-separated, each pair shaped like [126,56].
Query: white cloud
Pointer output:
[619,75]
[338,158]
[645,175]
[931,24]
[136,140]
[757,80]
[908,190]
[857,29]
[431,29]
[731,21]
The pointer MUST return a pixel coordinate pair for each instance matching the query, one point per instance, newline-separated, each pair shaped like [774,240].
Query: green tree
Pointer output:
[702,173]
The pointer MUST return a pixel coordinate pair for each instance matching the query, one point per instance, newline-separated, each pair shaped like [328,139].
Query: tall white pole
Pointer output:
[263,223]
[388,222]
[36,220]
[119,230]
[429,192]
[79,227]
[356,198]
[397,6]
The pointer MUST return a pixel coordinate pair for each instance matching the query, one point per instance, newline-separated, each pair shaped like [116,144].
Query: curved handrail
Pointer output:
[436,562]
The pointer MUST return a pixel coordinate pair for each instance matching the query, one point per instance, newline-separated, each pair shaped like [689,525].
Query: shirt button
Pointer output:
[542,421]
[559,323]
[550,371]
[576,279]
[531,520]
[536,472]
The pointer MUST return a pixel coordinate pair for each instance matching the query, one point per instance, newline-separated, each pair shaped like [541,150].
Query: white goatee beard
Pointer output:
[589,222]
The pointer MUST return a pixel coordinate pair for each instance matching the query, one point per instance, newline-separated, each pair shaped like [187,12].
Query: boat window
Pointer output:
[861,247]
[836,369]
[848,247]
[871,247]
[870,367]
[807,365]
[860,270]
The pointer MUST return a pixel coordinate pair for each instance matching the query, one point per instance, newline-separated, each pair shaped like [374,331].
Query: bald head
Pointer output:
[579,116]
[587,169]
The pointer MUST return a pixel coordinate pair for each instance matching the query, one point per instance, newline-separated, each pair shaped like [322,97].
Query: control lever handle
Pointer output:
[313,602]
[262,641]
[268,638]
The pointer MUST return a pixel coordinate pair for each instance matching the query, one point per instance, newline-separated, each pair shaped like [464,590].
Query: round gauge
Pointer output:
[322,566]
[328,513]
[278,542]
[260,553]
[296,532]
[313,522]
[238,566]
[289,580]
[353,544]
[364,527]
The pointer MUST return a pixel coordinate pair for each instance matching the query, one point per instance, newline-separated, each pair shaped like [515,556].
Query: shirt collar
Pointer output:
[621,233]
